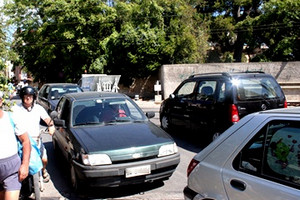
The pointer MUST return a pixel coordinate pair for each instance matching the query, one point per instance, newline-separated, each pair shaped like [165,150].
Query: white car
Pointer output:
[257,158]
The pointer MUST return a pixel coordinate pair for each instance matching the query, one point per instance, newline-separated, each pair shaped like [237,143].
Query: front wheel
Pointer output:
[75,183]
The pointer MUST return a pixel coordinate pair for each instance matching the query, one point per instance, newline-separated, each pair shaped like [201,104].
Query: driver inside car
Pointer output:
[111,112]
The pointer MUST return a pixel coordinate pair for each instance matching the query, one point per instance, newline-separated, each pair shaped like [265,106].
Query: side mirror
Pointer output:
[150,114]
[59,122]
[53,114]
[172,96]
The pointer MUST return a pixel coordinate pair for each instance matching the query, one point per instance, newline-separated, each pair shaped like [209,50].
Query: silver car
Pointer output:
[257,158]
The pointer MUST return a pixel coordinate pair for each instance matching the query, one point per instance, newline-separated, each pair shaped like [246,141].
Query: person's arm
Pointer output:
[50,124]
[24,169]
[47,119]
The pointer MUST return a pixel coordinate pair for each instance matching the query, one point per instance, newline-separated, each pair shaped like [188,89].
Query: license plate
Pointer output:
[137,171]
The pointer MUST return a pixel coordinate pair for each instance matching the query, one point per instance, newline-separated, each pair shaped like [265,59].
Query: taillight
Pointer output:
[285,104]
[234,113]
[191,166]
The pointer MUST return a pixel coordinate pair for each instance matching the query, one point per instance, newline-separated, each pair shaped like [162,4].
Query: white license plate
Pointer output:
[138,171]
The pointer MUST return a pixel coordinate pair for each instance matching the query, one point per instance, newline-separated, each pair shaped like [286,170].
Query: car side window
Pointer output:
[221,97]
[41,92]
[186,89]
[46,92]
[60,107]
[65,114]
[274,153]
[206,90]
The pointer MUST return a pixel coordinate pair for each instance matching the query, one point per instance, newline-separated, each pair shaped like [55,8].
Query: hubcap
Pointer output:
[165,122]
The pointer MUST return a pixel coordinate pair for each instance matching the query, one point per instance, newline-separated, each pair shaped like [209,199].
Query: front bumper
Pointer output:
[114,175]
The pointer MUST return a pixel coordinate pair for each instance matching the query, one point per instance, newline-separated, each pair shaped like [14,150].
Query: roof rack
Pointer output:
[212,73]
[261,72]
[224,73]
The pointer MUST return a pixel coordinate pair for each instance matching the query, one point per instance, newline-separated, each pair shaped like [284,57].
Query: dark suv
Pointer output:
[210,103]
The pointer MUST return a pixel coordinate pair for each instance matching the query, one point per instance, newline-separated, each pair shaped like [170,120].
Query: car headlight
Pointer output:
[167,149]
[95,159]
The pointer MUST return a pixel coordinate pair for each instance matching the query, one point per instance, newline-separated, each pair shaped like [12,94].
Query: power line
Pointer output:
[258,27]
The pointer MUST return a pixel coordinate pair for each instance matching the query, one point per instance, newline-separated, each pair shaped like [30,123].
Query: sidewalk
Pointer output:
[148,104]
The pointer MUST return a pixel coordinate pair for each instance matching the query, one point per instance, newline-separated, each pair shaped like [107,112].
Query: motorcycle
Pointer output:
[33,185]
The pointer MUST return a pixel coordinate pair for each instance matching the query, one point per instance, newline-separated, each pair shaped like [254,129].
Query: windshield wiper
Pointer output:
[87,123]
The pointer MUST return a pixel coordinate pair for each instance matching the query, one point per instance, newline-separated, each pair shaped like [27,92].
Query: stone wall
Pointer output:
[286,73]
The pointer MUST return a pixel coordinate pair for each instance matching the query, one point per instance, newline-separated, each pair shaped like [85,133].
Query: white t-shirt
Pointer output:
[8,140]
[30,119]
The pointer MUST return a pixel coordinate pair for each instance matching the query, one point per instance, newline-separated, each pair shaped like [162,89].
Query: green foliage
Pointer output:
[282,33]
[59,40]
[234,23]
[7,104]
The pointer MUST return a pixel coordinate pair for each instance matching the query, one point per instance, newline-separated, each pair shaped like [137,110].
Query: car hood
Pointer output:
[122,141]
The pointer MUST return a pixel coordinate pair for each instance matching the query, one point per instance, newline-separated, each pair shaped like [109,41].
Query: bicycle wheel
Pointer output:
[36,186]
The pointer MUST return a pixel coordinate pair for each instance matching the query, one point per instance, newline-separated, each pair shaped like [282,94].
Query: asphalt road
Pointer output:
[58,188]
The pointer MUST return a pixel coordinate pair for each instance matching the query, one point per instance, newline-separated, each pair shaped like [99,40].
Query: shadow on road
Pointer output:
[188,140]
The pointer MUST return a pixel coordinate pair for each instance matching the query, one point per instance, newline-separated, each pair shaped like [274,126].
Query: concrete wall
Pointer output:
[287,73]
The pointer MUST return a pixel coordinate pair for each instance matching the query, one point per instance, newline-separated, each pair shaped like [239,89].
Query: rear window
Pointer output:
[257,88]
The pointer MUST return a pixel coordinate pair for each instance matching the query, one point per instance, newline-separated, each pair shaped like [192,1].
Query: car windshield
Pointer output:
[256,88]
[57,92]
[105,111]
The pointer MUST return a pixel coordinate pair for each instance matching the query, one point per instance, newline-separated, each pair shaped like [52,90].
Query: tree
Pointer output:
[60,40]
[57,40]
[278,28]
[2,43]
[152,33]
[236,23]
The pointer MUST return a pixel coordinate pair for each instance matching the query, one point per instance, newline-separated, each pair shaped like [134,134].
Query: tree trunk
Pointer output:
[238,49]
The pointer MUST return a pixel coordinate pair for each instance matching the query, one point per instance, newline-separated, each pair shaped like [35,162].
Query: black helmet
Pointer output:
[27,90]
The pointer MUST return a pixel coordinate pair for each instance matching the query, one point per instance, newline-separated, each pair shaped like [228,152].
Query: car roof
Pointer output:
[61,84]
[93,95]
[291,110]
[228,74]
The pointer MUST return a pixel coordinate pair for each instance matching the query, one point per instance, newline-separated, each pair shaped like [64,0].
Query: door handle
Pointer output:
[237,184]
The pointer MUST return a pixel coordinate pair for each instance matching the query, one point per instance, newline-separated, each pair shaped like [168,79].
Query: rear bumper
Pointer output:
[191,194]
[114,175]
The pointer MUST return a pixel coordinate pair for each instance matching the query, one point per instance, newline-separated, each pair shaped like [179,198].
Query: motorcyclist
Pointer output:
[31,114]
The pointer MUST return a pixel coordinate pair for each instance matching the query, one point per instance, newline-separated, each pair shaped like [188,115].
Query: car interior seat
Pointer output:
[54,94]
[207,90]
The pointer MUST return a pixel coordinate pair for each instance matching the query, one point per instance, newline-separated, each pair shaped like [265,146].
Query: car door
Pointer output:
[202,110]
[61,135]
[268,166]
[178,105]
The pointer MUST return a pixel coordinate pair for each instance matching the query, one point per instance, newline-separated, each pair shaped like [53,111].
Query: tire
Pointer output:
[27,188]
[76,186]
[36,186]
